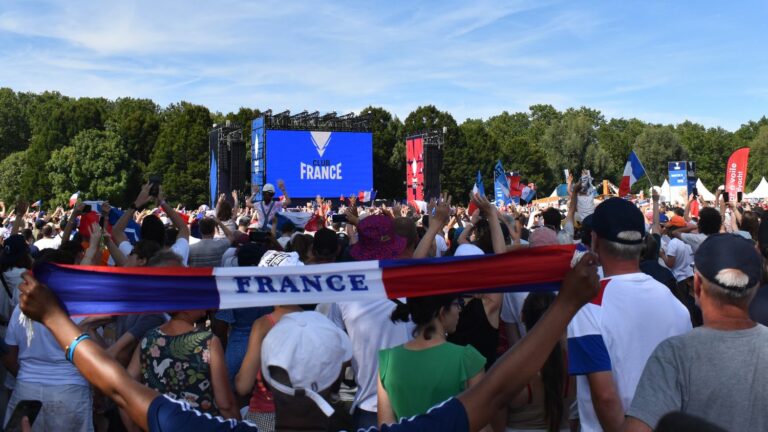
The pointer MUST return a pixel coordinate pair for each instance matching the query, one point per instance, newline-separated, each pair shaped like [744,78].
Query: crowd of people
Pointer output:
[658,326]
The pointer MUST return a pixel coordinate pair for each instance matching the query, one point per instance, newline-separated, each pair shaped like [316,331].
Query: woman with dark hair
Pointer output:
[15,259]
[427,370]
[542,406]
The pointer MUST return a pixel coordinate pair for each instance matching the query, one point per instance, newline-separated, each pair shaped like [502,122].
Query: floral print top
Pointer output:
[179,366]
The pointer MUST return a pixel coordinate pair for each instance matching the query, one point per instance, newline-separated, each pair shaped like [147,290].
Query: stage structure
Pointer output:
[326,155]
[227,163]
[424,161]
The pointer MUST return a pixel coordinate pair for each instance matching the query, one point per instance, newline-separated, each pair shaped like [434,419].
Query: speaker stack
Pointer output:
[227,150]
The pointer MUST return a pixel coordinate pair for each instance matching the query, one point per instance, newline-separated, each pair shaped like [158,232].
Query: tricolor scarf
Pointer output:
[90,290]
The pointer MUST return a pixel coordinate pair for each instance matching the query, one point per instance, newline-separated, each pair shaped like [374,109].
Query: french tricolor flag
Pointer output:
[477,189]
[96,290]
[633,171]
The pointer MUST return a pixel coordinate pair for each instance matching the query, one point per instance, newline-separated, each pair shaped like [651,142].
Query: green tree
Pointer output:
[388,174]
[181,153]
[11,169]
[709,148]
[137,122]
[616,138]
[55,121]
[96,164]
[571,143]
[14,127]
[655,147]
[758,158]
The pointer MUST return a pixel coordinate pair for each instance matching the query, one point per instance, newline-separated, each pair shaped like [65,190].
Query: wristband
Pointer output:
[70,350]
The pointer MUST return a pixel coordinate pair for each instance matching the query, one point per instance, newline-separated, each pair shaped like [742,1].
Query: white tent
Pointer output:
[663,191]
[761,192]
[704,193]
[554,193]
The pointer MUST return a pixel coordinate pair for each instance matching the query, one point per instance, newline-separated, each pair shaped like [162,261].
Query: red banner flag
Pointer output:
[736,172]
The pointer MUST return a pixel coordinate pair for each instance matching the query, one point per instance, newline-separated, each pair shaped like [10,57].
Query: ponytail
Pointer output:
[422,311]
[553,371]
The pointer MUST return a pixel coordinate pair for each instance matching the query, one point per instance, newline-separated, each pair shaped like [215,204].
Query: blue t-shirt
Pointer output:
[168,415]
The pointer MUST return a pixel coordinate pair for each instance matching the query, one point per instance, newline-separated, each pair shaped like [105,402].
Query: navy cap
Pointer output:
[616,215]
[721,252]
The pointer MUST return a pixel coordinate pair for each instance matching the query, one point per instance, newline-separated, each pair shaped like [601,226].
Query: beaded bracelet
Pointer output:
[69,352]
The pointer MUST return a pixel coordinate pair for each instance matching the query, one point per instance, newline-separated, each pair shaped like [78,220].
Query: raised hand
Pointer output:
[143,197]
[281,185]
[481,202]
[582,283]
[442,212]
[37,301]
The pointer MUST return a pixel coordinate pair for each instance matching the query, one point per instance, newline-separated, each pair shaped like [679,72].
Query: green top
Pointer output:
[417,380]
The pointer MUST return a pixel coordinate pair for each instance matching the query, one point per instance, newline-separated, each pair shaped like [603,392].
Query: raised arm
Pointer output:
[106,374]
[76,212]
[656,227]
[174,216]
[515,368]
[21,213]
[436,224]
[286,198]
[497,237]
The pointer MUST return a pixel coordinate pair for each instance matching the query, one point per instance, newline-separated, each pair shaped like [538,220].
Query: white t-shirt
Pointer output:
[683,267]
[267,211]
[48,243]
[43,360]
[441,247]
[181,248]
[511,308]
[617,332]
[694,240]
[370,329]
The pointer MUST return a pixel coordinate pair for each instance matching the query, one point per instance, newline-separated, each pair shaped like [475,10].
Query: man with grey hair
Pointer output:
[610,338]
[719,371]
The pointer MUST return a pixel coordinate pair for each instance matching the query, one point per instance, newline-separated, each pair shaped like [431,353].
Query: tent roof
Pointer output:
[761,191]
[704,193]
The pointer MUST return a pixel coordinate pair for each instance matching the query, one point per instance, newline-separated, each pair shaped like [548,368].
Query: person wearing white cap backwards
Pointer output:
[267,208]
[470,411]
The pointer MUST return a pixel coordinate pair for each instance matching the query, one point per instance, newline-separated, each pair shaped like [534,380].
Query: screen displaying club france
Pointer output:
[329,164]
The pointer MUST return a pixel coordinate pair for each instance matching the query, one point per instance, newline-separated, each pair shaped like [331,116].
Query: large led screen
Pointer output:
[329,164]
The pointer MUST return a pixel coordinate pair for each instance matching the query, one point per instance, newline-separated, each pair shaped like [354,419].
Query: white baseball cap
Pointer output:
[311,349]
[269,187]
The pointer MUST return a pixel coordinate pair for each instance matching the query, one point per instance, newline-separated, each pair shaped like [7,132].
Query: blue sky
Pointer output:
[660,61]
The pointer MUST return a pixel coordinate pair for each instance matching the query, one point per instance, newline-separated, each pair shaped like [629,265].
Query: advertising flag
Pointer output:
[736,172]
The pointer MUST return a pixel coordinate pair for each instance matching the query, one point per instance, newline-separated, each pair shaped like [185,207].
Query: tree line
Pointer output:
[52,145]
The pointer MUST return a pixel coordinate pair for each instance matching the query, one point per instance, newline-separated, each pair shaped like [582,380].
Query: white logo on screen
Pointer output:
[321,141]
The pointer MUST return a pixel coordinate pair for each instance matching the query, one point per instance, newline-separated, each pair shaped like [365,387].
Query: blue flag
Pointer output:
[501,185]
[479,188]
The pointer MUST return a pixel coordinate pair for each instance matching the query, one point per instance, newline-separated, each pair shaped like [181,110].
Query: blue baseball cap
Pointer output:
[725,251]
[614,216]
